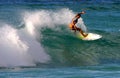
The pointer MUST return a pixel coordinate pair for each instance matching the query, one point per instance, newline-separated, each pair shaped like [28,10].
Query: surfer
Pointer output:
[73,26]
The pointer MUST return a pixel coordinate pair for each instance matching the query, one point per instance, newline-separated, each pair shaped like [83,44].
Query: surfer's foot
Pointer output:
[85,35]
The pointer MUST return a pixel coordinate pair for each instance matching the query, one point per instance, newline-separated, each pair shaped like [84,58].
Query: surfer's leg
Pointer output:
[85,35]
[80,30]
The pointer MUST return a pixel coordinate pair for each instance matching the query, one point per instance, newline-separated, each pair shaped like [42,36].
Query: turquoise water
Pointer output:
[36,42]
[103,71]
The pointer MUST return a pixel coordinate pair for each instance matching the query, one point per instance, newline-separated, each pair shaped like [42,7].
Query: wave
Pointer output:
[67,50]
[21,44]
[43,38]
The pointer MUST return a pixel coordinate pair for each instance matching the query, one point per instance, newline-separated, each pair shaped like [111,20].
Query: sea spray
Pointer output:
[12,49]
[19,49]
[35,48]
[47,18]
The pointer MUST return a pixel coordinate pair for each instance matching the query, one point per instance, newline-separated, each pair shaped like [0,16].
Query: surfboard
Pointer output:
[90,36]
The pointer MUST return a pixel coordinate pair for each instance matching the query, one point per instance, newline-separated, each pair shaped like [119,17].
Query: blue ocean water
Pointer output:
[67,72]
[35,41]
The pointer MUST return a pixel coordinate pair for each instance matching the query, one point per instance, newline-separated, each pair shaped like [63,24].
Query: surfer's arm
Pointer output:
[83,12]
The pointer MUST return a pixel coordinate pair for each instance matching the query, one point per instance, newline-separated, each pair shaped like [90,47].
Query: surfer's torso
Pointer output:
[72,24]
[75,20]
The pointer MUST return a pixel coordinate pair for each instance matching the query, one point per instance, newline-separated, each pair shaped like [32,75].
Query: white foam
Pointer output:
[19,49]
[42,18]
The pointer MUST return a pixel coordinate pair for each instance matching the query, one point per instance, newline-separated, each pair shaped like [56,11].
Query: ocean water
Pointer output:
[35,41]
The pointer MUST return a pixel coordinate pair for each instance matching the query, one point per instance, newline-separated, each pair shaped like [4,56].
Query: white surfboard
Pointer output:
[91,36]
